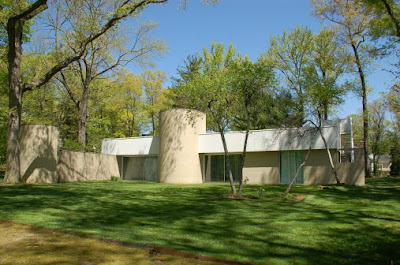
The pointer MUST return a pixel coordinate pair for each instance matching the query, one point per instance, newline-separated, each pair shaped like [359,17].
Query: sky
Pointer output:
[248,25]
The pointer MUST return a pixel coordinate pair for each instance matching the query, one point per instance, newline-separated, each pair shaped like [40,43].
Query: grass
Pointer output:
[337,225]
[21,244]
[387,181]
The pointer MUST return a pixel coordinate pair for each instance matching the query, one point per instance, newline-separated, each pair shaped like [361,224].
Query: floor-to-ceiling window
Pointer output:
[140,168]
[290,162]
[215,168]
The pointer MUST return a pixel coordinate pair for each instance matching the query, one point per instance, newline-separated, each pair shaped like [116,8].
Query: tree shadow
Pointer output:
[339,225]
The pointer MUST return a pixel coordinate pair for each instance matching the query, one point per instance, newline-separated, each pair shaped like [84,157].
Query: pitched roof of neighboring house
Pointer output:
[381,158]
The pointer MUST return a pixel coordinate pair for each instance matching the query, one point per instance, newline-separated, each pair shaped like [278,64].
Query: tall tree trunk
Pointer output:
[83,117]
[325,103]
[228,160]
[330,157]
[301,114]
[326,109]
[15,31]
[133,123]
[153,123]
[365,108]
[244,149]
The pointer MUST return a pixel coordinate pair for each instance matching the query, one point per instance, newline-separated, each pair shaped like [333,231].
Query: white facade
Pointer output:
[185,153]
[259,141]
[131,146]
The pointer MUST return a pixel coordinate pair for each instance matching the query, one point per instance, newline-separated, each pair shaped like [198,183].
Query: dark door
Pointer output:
[290,162]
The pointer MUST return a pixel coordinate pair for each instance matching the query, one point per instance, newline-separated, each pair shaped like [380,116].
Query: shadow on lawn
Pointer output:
[350,225]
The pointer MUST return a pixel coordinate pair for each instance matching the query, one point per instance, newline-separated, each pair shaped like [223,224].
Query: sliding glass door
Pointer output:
[216,169]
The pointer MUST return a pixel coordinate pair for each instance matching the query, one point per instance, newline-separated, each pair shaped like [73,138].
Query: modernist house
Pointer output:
[185,153]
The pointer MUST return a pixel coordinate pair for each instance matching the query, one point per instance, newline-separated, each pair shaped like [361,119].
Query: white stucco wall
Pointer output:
[131,146]
[259,141]
[268,140]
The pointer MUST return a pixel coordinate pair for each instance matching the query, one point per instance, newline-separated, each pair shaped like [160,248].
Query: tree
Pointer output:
[329,62]
[290,54]
[395,154]
[249,81]
[133,114]
[322,90]
[3,128]
[112,50]
[393,100]
[209,91]
[385,28]
[378,131]
[3,105]
[192,66]
[18,15]
[386,17]
[357,128]
[380,138]
[154,95]
[352,20]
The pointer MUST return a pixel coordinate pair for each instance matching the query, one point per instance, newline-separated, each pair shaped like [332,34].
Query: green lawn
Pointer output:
[337,225]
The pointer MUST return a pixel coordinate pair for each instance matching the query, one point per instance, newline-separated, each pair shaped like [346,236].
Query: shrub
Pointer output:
[114,178]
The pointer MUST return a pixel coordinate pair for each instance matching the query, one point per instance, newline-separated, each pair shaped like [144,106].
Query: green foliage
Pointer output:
[395,160]
[192,67]
[379,129]
[224,79]
[393,100]
[71,145]
[258,99]
[41,106]
[329,61]
[114,178]
[289,54]
[208,88]
[8,9]
[155,95]
[357,127]
[383,24]
[310,65]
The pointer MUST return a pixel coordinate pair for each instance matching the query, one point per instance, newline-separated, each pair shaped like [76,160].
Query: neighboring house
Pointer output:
[383,164]
[185,153]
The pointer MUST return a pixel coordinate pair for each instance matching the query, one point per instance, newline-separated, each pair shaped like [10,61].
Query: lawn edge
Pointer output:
[150,248]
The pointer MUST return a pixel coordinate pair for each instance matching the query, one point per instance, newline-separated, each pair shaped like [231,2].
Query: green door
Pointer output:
[290,162]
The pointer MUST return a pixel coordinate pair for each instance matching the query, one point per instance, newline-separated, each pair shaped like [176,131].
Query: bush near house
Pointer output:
[333,225]
[395,160]
[2,172]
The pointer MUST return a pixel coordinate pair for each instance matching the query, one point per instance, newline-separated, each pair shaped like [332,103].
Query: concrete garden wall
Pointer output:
[42,162]
[81,166]
[38,153]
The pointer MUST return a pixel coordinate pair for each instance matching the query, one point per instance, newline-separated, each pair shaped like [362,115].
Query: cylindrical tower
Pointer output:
[178,157]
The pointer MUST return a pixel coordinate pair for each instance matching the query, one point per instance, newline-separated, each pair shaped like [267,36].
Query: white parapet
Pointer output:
[269,140]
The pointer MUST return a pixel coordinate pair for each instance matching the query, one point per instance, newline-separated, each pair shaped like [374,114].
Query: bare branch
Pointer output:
[81,50]
[72,95]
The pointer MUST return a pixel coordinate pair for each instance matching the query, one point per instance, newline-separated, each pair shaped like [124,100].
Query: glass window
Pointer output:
[217,170]
[140,168]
